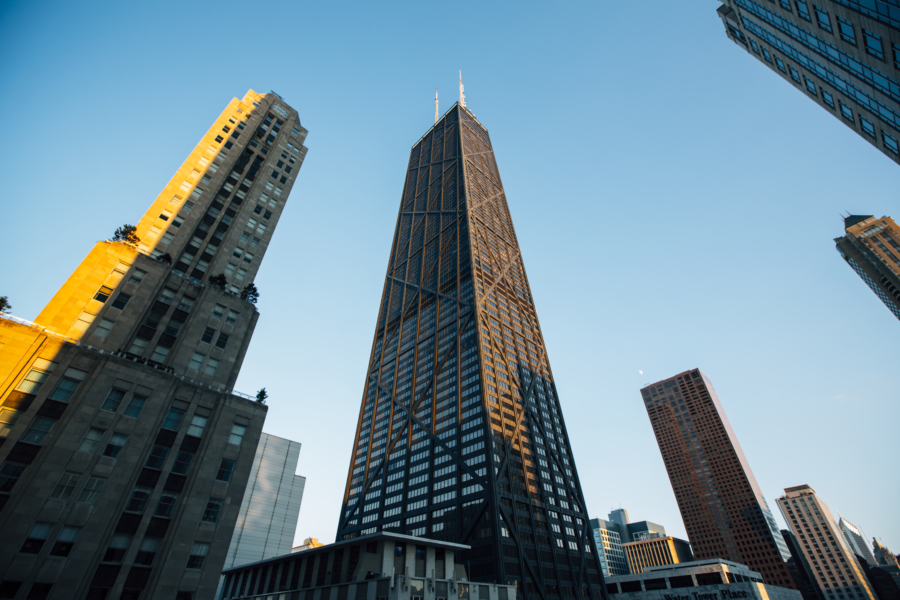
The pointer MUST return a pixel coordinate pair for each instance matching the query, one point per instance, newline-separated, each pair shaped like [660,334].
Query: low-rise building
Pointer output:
[656,551]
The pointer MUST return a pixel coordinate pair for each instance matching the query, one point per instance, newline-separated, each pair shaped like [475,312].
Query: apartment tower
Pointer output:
[843,54]
[124,451]
[460,434]
[871,247]
[721,504]
[835,567]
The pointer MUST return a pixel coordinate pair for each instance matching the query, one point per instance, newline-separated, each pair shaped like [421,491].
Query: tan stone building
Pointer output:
[871,247]
[124,451]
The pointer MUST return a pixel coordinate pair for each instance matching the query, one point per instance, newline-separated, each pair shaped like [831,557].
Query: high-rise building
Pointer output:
[872,248]
[124,451]
[460,434]
[799,568]
[609,537]
[267,520]
[724,511]
[856,539]
[837,572]
[656,552]
[843,54]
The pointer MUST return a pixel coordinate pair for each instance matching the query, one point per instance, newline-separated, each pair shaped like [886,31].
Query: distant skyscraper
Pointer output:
[857,541]
[843,54]
[834,564]
[609,537]
[721,504]
[872,249]
[124,452]
[460,434]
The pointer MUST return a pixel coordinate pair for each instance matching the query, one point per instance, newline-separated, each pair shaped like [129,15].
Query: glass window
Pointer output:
[222,341]
[38,431]
[823,20]
[226,468]
[159,354]
[157,457]
[91,440]
[846,111]
[794,74]
[9,475]
[867,126]
[198,555]
[182,462]
[173,419]
[873,44]
[803,9]
[810,86]
[115,445]
[826,96]
[218,311]
[890,143]
[135,405]
[103,328]
[211,366]
[65,486]
[121,300]
[67,385]
[895,48]
[113,400]
[166,504]
[213,508]
[196,361]
[147,551]
[91,490]
[65,540]
[115,552]
[198,423]
[103,293]
[32,382]
[237,434]
[208,335]
[780,64]
[847,32]
[138,500]
[8,418]
[137,276]
[36,538]
[232,318]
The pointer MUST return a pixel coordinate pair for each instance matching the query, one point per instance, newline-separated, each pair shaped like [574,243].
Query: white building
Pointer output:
[857,541]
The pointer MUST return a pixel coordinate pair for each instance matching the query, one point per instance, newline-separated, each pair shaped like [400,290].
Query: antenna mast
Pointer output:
[462,93]
[435,106]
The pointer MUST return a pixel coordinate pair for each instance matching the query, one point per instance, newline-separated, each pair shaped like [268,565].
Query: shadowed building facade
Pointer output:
[460,434]
[843,54]
[721,504]
[871,247]
[124,451]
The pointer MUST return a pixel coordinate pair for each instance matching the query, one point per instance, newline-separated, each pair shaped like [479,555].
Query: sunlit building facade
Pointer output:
[871,247]
[460,434]
[842,54]
[124,450]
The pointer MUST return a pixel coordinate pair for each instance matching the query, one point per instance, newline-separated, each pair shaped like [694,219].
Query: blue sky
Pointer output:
[675,201]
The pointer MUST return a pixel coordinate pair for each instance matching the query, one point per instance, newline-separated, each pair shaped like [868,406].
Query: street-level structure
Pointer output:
[837,572]
[842,54]
[871,247]
[460,433]
[124,451]
[724,511]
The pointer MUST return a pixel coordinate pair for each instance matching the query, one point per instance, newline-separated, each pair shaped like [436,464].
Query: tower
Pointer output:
[872,249]
[856,539]
[722,506]
[842,54]
[124,451]
[834,565]
[460,434]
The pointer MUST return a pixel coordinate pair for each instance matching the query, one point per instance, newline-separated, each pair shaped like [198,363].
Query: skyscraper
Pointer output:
[843,54]
[834,564]
[856,539]
[460,434]
[610,536]
[124,451]
[723,509]
[872,248]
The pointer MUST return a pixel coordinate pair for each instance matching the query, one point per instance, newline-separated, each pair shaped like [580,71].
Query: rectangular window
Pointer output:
[211,366]
[103,293]
[846,112]
[823,20]
[198,555]
[218,311]
[810,86]
[186,304]
[232,318]
[767,56]
[103,327]
[137,276]
[255,242]
[8,418]
[237,434]
[157,457]
[113,400]
[198,423]
[873,44]
[36,376]
[166,505]
[67,385]
[36,538]
[182,462]
[213,508]
[115,445]
[91,440]
[895,48]
[65,540]
[121,300]
[867,126]
[847,32]
[794,74]
[208,335]
[9,475]
[159,354]
[803,9]
[226,468]
[196,361]
[92,489]
[65,486]
[115,552]
[222,341]
[138,346]
[173,419]
[135,405]
[826,96]
[890,143]
[38,431]
[138,500]
[237,253]
[147,551]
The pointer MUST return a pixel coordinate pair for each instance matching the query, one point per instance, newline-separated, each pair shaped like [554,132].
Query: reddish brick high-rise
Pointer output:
[722,507]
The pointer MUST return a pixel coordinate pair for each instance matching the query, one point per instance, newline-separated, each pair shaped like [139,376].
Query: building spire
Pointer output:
[435,106]
[462,93]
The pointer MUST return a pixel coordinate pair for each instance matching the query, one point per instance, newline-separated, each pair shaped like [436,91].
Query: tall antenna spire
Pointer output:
[435,106]
[462,93]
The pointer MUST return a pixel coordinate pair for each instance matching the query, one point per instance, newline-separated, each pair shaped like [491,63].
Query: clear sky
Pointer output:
[675,201]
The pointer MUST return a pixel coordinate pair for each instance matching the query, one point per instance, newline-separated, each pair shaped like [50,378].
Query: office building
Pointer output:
[460,434]
[872,248]
[124,450]
[267,520]
[843,54]
[656,552]
[887,561]
[799,568]
[381,566]
[713,579]
[609,537]
[857,540]
[722,506]
[835,568]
